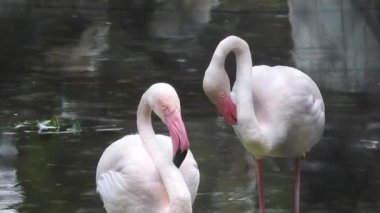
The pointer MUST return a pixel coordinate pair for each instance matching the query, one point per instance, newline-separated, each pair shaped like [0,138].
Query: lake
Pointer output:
[90,61]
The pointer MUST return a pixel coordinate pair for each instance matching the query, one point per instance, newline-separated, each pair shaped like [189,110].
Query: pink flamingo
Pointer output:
[149,172]
[275,111]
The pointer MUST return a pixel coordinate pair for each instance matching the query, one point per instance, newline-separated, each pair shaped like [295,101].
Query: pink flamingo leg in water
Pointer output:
[260,184]
[297,183]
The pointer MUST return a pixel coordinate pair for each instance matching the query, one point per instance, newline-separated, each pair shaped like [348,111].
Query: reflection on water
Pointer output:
[84,55]
[91,61]
[184,19]
[10,190]
[336,42]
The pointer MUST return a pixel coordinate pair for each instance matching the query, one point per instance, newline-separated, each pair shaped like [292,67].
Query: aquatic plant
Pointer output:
[54,125]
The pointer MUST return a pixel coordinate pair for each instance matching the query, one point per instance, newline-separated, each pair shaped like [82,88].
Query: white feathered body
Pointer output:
[129,182]
[289,109]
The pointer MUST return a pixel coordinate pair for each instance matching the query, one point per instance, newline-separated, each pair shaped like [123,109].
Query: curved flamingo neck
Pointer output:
[243,85]
[179,195]
[144,125]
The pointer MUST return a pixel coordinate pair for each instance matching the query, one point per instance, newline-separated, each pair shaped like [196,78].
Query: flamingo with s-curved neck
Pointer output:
[148,172]
[275,111]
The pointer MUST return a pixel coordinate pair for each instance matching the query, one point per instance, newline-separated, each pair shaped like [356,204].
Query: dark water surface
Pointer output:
[91,61]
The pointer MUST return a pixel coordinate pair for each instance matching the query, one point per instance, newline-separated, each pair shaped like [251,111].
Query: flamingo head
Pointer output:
[216,86]
[167,107]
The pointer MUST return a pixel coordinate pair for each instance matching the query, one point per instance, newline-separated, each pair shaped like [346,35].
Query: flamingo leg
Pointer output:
[297,183]
[260,184]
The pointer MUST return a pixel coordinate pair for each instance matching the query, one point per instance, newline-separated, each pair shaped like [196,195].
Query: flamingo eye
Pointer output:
[164,107]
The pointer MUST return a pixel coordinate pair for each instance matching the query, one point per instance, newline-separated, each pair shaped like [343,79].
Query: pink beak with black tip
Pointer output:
[178,135]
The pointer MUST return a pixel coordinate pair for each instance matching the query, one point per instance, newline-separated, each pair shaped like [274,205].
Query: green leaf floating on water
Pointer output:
[54,125]
[76,127]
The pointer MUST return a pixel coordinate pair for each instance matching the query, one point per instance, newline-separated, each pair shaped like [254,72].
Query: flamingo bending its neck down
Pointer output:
[149,172]
[275,111]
